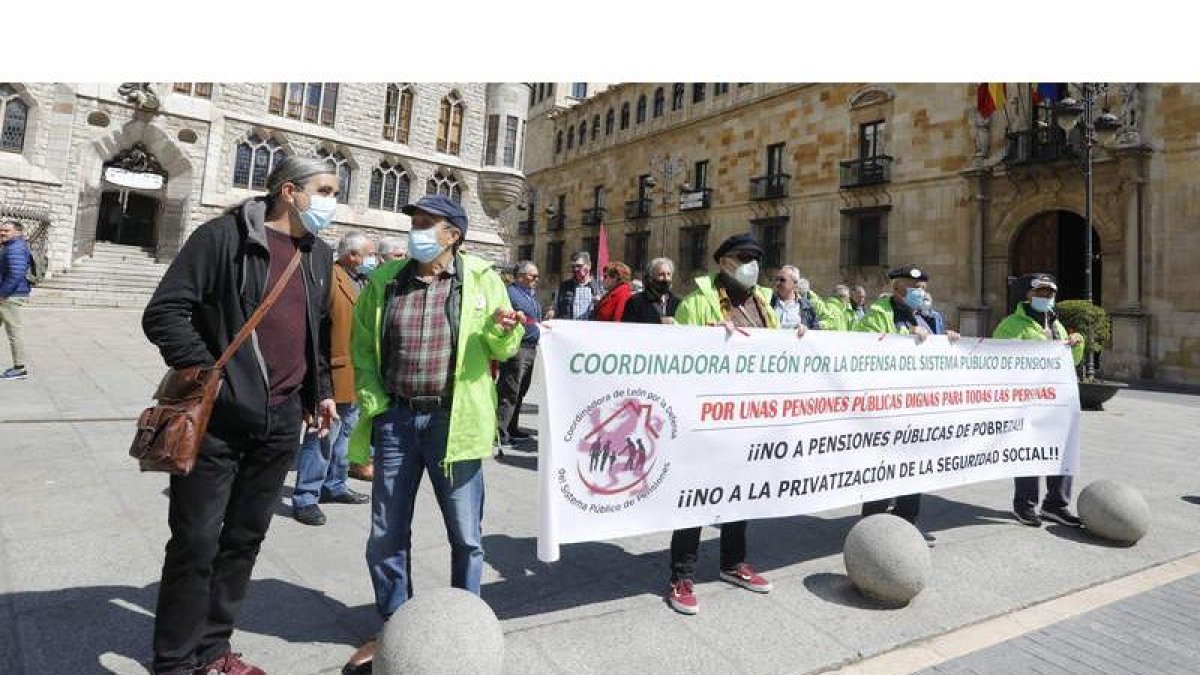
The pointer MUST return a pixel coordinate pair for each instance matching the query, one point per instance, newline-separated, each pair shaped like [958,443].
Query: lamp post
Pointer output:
[669,168]
[1095,130]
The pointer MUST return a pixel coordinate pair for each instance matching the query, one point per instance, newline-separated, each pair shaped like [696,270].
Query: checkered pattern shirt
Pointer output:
[417,340]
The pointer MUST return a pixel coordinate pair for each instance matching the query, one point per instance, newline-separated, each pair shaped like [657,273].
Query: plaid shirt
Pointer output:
[419,354]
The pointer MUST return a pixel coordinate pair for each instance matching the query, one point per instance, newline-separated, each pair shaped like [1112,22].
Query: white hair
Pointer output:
[657,263]
[525,267]
[351,242]
[390,245]
[841,290]
[792,271]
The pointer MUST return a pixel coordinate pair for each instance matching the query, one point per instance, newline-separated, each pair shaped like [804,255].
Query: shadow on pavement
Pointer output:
[1082,536]
[837,589]
[595,572]
[70,630]
[1191,499]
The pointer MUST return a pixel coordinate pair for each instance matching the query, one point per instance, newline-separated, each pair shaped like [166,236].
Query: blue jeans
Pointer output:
[408,444]
[321,465]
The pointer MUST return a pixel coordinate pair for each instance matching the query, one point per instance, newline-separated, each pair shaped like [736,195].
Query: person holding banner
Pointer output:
[656,303]
[1034,319]
[617,292]
[900,313]
[425,329]
[731,298]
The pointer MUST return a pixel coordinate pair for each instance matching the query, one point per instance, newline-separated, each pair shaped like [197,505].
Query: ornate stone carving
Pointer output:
[137,159]
[140,94]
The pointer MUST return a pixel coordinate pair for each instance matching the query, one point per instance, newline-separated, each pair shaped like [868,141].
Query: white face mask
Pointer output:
[746,274]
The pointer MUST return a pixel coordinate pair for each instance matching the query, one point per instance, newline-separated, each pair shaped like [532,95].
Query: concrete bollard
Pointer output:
[1114,511]
[887,559]
[445,631]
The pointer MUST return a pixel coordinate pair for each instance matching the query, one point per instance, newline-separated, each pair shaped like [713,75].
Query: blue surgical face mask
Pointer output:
[914,297]
[1041,304]
[369,263]
[423,244]
[319,213]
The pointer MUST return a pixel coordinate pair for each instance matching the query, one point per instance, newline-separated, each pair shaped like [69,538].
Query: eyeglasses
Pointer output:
[780,280]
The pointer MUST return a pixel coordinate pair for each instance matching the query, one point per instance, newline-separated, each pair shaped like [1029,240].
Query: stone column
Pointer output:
[974,318]
[1129,357]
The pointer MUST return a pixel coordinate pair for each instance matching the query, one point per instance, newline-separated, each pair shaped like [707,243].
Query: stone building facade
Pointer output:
[146,164]
[847,180]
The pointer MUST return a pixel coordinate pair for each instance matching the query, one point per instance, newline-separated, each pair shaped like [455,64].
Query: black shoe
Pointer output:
[309,515]
[347,497]
[520,436]
[1027,515]
[1062,516]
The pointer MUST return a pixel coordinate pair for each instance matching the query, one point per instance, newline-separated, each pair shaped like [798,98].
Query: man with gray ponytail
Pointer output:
[277,380]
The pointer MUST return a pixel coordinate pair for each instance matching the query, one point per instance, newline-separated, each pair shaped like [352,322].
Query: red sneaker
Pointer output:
[681,598]
[744,575]
[230,664]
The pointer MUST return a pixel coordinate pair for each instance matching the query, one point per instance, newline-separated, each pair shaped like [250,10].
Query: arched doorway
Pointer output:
[131,200]
[1053,241]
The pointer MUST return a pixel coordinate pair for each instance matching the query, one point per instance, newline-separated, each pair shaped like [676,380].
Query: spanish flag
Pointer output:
[990,96]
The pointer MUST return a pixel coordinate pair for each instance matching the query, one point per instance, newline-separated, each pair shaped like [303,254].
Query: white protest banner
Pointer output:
[649,428]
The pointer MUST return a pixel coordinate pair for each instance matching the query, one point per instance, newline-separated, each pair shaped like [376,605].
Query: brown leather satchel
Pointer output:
[169,434]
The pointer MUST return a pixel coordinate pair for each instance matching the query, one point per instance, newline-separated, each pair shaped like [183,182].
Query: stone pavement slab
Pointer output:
[82,536]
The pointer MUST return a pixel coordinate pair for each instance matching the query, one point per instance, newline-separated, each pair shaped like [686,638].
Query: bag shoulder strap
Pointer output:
[257,317]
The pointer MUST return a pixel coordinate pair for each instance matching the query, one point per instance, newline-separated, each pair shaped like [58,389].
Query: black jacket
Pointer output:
[644,308]
[564,299]
[209,292]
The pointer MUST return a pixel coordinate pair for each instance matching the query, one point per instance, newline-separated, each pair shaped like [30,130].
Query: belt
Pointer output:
[423,404]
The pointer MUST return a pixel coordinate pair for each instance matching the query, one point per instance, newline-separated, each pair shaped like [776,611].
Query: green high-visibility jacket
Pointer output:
[702,307]
[479,340]
[879,318]
[1020,326]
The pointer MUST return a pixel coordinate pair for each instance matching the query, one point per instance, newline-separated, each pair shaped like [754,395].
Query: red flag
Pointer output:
[984,101]
[602,248]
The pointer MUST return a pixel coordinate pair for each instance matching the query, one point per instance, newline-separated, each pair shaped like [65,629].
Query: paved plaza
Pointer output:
[82,535]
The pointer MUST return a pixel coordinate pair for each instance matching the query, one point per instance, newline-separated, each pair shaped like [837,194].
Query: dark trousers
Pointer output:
[219,515]
[513,383]
[685,548]
[1058,492]
[908,507]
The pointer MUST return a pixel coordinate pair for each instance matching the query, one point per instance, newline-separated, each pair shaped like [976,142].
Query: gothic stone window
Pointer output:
[397,113]
[450,121]
[389,187]
[641,109]
[677,96]
[338,162]
[625,115]
[609,120]
[15,115]
[197,89]
[444,184]
[659,101]
[314,102]
[255,159]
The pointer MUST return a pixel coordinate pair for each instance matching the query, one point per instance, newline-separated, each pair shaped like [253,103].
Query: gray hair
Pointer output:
[351,242]
[16,224]
[525,266]
[389,245]
[296,170]
[859,289]
[657,263]
[792,272]
[841,290]
[582,256]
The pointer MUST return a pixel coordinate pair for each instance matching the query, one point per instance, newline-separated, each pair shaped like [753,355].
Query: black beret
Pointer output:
[908,272]
[738,242]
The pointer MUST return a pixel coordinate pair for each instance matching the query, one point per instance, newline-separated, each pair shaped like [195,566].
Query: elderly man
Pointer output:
[219,513]
[578,295]
[838,313]
[321,468]
[516,374]
[1034,319]
[898,313]
[392,248]
[858,301]
[655,303]
[732,298]
[15,263]
[792,300]
[425,329]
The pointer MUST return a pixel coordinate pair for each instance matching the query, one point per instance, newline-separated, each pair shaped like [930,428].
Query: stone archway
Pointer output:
[173,214]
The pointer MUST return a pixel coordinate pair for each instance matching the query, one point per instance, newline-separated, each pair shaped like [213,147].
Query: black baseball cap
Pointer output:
[908,272]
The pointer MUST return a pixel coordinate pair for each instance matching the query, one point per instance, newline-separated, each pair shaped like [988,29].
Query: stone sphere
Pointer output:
[445,631]
[887,559]
[1114,511]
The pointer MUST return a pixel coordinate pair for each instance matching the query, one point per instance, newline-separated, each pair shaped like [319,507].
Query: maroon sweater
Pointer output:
[283,332]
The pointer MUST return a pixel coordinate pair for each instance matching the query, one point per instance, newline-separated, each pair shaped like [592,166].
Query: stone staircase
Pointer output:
[115,276]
